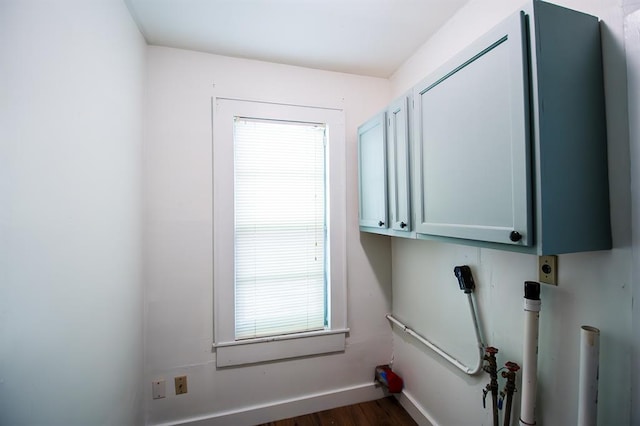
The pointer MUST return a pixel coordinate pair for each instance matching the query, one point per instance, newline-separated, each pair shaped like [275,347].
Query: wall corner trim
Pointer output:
[415,410]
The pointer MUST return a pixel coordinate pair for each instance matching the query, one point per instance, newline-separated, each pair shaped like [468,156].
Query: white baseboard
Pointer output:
[415,410]
[277,410]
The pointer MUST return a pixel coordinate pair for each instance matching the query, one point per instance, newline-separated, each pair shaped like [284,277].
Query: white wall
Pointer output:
[632,47]
[595,288]
[178,243]
[71,92]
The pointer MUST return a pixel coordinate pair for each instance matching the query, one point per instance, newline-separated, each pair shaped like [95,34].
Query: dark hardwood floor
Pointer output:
[382,412]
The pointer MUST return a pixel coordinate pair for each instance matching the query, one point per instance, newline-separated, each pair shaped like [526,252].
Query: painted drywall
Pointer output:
[632,48]
[594,288]
[178,243]
[71,90]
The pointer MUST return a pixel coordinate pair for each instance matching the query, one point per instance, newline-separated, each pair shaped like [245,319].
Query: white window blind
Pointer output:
[280,227]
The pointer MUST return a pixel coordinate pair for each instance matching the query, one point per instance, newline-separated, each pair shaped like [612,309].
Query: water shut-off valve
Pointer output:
[491,368]
[510,386]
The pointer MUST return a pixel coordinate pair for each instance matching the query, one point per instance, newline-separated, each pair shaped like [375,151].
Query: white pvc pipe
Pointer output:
[588,382]
[468,370]
[529,362]
[476,328]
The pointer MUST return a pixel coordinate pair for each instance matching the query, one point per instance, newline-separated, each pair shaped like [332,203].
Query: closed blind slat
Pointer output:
[280,227]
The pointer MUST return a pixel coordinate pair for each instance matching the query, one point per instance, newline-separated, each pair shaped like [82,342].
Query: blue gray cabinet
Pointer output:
[372,173]
[384,172]
[472,150]
[398,166]
[508,141]
[511,148]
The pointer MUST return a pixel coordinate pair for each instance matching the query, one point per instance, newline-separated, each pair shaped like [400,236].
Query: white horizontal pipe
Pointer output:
[468,370]
[476,328]
[588,382]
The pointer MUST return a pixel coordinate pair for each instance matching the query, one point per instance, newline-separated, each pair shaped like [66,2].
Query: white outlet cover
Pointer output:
[159,389]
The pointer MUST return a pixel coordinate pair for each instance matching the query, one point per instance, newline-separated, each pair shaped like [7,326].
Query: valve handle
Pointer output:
[485,391]
[512,366]
[491,350]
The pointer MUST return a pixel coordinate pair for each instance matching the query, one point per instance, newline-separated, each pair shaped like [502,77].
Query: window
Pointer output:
[279,231]
[280,274]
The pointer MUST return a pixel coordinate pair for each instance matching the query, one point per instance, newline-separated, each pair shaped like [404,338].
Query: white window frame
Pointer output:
[231,352]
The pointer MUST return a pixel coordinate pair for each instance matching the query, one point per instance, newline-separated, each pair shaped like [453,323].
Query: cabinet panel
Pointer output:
[472,151]
[570,135]
[372,174]
[399,187]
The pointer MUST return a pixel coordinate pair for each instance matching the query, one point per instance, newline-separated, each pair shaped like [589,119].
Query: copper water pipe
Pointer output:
[492,387]
[509,388]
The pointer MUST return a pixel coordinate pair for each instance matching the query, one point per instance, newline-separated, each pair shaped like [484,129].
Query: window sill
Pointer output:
[274,348]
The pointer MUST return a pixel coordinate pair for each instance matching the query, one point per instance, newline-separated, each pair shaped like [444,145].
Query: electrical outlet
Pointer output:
[548,269]
[159,389]
[181,384]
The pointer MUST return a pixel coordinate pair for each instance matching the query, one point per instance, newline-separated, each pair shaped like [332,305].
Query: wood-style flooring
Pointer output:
[381,412]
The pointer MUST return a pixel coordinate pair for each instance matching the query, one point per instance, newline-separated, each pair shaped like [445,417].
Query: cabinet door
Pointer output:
[398,141]
[372,172]
[472,153]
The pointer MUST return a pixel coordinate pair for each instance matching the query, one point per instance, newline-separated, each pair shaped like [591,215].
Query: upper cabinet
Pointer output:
[508,140]
[398,154]
[372,173]
[472,149]
[384,172]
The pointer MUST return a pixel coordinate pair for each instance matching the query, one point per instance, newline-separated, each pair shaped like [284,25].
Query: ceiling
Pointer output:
[366,37]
